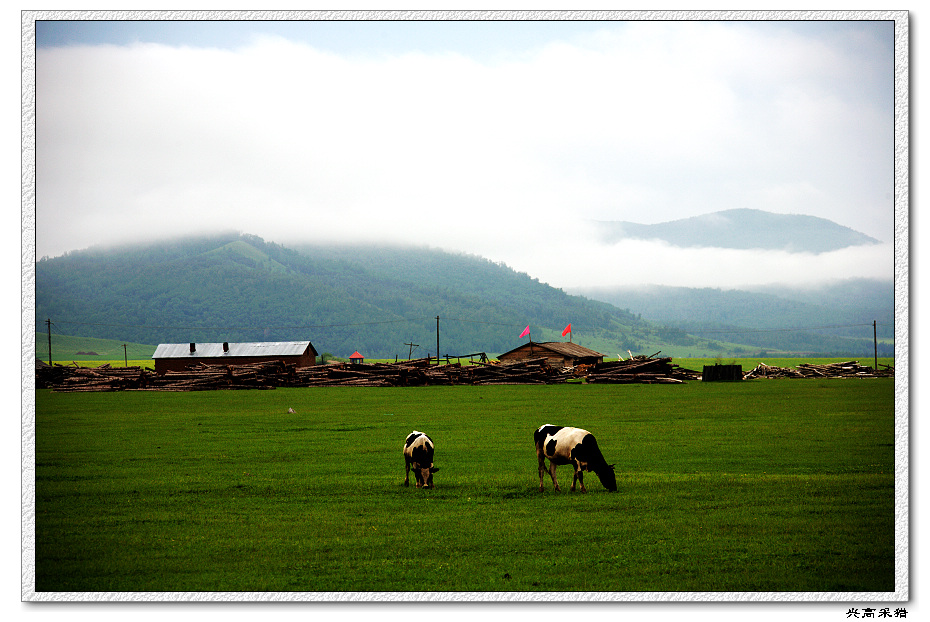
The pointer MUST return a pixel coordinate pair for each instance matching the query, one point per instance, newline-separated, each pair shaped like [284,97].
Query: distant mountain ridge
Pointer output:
[742,229]
[766,317]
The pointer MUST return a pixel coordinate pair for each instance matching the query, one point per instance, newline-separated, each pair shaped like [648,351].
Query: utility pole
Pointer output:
[412,346]
[48,325]
[875,342]
[437,340]
[125,357]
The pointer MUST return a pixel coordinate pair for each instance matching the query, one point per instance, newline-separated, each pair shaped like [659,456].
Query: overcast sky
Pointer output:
[501,139]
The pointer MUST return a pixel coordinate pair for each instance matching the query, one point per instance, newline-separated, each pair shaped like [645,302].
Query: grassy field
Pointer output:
[90,351]
[765,485]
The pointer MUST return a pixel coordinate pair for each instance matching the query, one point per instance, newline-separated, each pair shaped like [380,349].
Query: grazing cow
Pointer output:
[572,446]
[418,452]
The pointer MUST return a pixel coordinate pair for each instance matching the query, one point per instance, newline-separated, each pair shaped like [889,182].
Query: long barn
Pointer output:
[177,356]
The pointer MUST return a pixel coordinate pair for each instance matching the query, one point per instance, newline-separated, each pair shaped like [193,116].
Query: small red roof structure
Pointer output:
[355,357]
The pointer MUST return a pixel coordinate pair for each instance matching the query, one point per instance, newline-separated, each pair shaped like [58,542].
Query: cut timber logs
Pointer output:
[269,375]
[849,369]
[640,369]
[534,371]
[414,373]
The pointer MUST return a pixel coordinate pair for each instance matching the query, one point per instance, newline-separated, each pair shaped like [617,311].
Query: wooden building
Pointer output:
[177,356]
[558,353]
[356,359]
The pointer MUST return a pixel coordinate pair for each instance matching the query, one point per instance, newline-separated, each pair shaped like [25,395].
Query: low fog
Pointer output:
[507,155]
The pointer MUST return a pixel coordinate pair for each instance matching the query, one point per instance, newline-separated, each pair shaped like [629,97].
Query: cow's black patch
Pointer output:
[547,430]
[422,455]
[412,437]
[588,451]
[550,447]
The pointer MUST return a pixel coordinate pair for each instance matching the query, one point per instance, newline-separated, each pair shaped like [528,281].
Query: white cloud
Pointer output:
[497,156]
[637,262]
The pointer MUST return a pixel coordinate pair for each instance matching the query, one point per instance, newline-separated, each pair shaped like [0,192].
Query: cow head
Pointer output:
[608,477]
[425,476]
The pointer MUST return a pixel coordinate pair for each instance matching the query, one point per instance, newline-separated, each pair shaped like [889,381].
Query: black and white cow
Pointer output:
[572,446]
[418,453]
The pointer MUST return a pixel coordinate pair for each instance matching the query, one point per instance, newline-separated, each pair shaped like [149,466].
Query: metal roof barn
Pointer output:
[177,356]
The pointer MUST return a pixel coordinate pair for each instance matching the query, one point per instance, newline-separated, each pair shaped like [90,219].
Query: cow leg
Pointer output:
[542,468]
[578,477]
[555,483]
[407,475]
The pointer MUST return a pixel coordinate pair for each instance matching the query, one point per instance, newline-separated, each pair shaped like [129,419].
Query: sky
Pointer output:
[499,139]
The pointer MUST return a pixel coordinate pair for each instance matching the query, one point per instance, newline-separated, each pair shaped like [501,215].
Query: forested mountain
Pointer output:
[233,287]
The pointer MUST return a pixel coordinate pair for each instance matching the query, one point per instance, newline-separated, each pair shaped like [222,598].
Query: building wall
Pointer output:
[180,364]
[554,358]
[525,354]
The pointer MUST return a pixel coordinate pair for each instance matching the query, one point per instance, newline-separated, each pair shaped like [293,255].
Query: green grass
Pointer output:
[755,486]
[67,349]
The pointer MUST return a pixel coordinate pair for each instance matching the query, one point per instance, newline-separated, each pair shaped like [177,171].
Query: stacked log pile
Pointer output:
[533,371]
[771,371]
[415,373]
[848,369]
[198,377]
[204,377]
[268,375]
[410,373]
[640,370]
[421,372]
[73,378]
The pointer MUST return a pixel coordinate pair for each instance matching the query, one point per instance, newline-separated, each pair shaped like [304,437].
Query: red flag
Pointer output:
[526,331]
[567,330]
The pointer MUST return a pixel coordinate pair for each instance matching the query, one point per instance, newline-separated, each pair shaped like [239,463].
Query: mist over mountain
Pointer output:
[767,317]
[742,229]
[384,301]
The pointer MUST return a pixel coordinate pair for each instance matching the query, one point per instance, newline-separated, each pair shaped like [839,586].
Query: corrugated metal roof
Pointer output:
[215,350]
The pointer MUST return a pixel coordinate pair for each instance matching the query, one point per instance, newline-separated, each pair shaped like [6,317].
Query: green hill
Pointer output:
[67,348]
[381,301]
[235,287]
